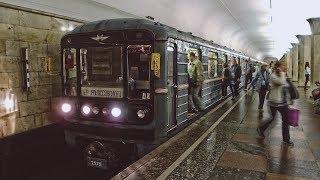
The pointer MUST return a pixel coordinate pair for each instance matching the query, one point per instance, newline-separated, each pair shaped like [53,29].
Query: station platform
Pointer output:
[224,144]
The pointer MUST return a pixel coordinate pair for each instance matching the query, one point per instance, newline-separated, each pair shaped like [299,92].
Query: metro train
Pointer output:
[125,82]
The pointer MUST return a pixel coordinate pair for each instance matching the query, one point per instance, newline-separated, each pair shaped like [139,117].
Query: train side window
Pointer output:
[139,57]
[213,65]
[226,60]
[70,71]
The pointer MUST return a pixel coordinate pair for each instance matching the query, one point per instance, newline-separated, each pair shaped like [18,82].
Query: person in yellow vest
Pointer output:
[196,78]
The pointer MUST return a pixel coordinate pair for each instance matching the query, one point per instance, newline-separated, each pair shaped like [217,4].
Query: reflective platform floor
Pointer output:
[224,144]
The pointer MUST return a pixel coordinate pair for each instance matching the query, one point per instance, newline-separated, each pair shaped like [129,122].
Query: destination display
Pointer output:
[102,92]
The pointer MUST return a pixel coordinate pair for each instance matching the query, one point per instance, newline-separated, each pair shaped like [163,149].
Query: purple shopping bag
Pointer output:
[293,116]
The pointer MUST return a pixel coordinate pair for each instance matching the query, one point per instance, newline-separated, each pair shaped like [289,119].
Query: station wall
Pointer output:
[41,34]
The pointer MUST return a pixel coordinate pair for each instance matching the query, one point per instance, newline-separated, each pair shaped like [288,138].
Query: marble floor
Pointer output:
[224,144]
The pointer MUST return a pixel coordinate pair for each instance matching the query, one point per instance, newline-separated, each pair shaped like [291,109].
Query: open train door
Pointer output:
[172,81]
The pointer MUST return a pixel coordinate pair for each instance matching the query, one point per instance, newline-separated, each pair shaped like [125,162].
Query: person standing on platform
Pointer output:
[261,84]
[270,67]
[236,76]
[196,78]
[307,73]
[248,76]
[277,101]
[226,81]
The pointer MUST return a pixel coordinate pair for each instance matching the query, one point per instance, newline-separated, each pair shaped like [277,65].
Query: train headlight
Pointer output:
[141,113]
[116,112]
[95,110]
[66,107]
[86,110]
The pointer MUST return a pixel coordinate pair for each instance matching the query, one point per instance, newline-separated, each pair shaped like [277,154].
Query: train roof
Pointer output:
[161,31]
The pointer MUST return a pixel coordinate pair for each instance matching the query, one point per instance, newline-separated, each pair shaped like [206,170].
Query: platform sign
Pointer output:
[155,64]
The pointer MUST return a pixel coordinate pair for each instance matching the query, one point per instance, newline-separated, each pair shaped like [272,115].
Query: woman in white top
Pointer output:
[307,72]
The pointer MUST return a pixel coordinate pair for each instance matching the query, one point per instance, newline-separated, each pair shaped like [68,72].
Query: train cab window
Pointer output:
[213,65]
[70,72]
[139,57]
[101,72]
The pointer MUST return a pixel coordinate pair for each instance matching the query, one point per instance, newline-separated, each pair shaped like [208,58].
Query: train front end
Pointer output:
[107,91]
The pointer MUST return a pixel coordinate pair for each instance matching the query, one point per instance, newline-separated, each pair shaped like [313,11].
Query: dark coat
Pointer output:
[238,72]
[227,76]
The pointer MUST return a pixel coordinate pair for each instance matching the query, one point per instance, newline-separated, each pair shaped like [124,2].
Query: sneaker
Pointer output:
[260,133]
[288,143]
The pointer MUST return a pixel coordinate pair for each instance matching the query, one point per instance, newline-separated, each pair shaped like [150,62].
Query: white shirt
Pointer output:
[307,71]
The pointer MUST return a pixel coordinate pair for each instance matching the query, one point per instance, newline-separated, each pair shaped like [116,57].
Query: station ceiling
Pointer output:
[260,28]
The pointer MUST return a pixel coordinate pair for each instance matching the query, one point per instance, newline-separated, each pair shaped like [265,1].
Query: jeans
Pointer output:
[224,88]
[262,96]
[232,88]
[285,122]
[194,98]
[236,87]
[307,80]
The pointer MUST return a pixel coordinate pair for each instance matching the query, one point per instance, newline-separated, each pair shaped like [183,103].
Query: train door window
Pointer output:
[169,54]
[70,71]
[213,65]
[139,57]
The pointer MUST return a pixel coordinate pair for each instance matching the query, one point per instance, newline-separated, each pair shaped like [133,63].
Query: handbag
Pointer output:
[316,94]
[293,116]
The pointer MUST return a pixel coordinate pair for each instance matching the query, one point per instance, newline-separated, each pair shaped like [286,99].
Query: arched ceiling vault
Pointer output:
[259,28]
[236,24]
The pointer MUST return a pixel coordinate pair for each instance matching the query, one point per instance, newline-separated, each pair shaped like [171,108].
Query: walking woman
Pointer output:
[277,101]
[307,73]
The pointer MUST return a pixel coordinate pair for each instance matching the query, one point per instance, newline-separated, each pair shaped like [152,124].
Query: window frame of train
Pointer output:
[69,71]
[213,65]
[226,58]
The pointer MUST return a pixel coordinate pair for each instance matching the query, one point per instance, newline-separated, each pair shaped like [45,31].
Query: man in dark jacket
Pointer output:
[236,75]
[261,83]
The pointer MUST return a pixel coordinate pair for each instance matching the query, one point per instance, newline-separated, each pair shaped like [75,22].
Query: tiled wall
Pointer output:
[41,35]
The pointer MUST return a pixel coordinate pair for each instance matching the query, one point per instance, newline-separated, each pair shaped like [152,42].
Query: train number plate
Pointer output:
[102,92]
[97,163]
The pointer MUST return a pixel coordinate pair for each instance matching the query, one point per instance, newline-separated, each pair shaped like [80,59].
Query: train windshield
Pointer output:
[101,72]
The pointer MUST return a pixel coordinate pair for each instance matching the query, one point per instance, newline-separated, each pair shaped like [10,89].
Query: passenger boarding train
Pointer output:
[126,81]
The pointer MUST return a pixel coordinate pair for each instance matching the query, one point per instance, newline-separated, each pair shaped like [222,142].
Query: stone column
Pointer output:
[315,50]
[289,64]
[295,62]
[304,55]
